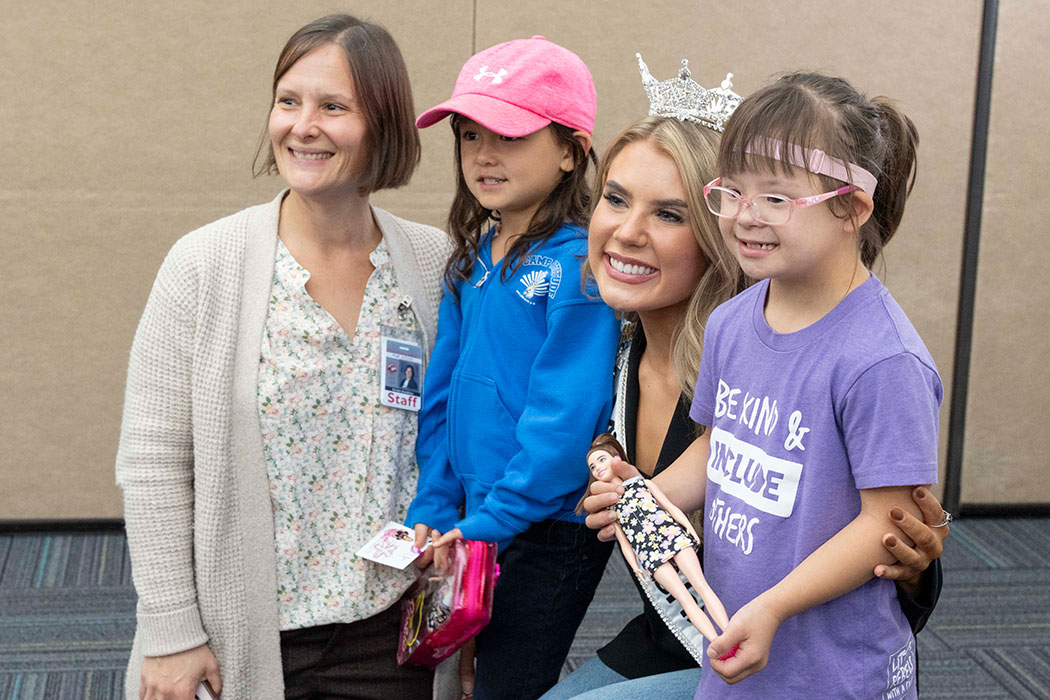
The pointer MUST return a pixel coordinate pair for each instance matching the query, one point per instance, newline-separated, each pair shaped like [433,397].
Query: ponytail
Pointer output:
[896,178]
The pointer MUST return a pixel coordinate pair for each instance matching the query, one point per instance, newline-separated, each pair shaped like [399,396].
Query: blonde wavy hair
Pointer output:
[694,149]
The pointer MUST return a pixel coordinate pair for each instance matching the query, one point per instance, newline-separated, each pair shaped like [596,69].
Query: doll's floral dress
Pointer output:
[654,535]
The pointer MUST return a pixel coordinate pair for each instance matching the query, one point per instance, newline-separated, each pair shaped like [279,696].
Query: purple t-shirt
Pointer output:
[800,422]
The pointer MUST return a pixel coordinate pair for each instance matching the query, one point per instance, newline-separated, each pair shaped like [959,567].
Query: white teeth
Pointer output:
[492,180]
[631,269]
[311,156]
[760,246]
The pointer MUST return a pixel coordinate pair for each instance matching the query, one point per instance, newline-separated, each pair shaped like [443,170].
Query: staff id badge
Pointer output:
[401,370]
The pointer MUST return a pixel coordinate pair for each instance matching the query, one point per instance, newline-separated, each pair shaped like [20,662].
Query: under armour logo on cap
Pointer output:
[497,78]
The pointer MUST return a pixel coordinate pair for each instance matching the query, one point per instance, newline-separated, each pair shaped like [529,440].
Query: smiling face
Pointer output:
[598,461]
[316,126]
[812,249]
[641,245]
[511,175]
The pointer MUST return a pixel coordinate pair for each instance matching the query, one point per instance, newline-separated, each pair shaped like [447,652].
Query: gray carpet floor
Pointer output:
[988,638]
[67,614]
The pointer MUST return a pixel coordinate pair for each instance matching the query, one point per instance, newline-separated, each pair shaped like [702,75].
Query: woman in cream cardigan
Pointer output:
[255,454]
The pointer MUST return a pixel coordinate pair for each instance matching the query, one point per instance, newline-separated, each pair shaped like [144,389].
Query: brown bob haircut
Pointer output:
[381,87]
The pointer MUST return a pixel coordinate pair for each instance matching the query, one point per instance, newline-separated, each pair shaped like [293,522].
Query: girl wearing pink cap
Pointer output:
[513,393]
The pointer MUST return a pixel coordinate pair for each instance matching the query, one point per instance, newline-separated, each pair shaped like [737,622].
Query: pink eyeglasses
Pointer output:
[770,209]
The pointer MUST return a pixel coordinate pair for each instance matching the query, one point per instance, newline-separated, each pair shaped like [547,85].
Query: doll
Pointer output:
[652,533]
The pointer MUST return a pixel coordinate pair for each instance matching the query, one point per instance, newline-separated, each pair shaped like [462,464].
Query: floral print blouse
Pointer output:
[340,465]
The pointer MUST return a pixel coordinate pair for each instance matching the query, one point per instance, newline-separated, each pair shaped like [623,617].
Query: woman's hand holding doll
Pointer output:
[603,495]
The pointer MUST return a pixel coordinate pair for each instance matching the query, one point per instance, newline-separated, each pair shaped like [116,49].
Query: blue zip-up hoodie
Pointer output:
[517,387]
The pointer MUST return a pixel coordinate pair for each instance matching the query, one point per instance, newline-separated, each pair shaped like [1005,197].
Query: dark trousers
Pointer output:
[547,579]
[354,660]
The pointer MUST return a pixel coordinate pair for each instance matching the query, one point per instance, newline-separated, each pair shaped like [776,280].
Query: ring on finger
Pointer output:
[947,518]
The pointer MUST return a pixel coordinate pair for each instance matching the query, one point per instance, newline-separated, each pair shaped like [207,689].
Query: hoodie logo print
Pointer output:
[538,283]
[535,285]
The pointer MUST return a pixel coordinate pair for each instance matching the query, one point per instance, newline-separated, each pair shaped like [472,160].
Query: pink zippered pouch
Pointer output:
[443,611]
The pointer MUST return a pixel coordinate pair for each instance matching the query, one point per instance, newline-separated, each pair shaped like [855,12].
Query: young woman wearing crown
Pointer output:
[658,258]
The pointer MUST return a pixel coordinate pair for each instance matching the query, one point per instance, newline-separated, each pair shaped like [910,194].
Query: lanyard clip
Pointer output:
[404,307]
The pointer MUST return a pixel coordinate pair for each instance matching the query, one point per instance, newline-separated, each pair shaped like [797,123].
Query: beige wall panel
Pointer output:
[133,124]
[1007,443]
[922,54]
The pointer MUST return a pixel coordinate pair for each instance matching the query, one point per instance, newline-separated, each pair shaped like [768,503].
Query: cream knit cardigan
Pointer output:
[190,461]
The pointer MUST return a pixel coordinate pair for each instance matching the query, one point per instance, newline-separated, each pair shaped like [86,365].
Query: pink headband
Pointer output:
[815,161]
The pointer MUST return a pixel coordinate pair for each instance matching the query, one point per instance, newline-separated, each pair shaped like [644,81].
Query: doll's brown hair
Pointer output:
[606,442]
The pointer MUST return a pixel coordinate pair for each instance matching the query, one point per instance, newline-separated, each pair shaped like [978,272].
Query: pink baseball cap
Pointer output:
[518,87]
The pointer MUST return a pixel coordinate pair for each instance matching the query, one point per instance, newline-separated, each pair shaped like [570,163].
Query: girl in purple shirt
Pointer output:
[821,400]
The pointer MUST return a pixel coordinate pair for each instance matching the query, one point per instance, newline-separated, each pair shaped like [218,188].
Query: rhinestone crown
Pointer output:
[683,98]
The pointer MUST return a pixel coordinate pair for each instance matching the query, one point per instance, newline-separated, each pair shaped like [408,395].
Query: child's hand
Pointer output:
[440,545]
[743,648]
[449,537]
[423,560]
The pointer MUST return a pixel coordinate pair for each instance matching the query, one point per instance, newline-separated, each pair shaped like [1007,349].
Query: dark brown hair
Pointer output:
[569,201]
[381,87]
[827,113]
[606,442]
